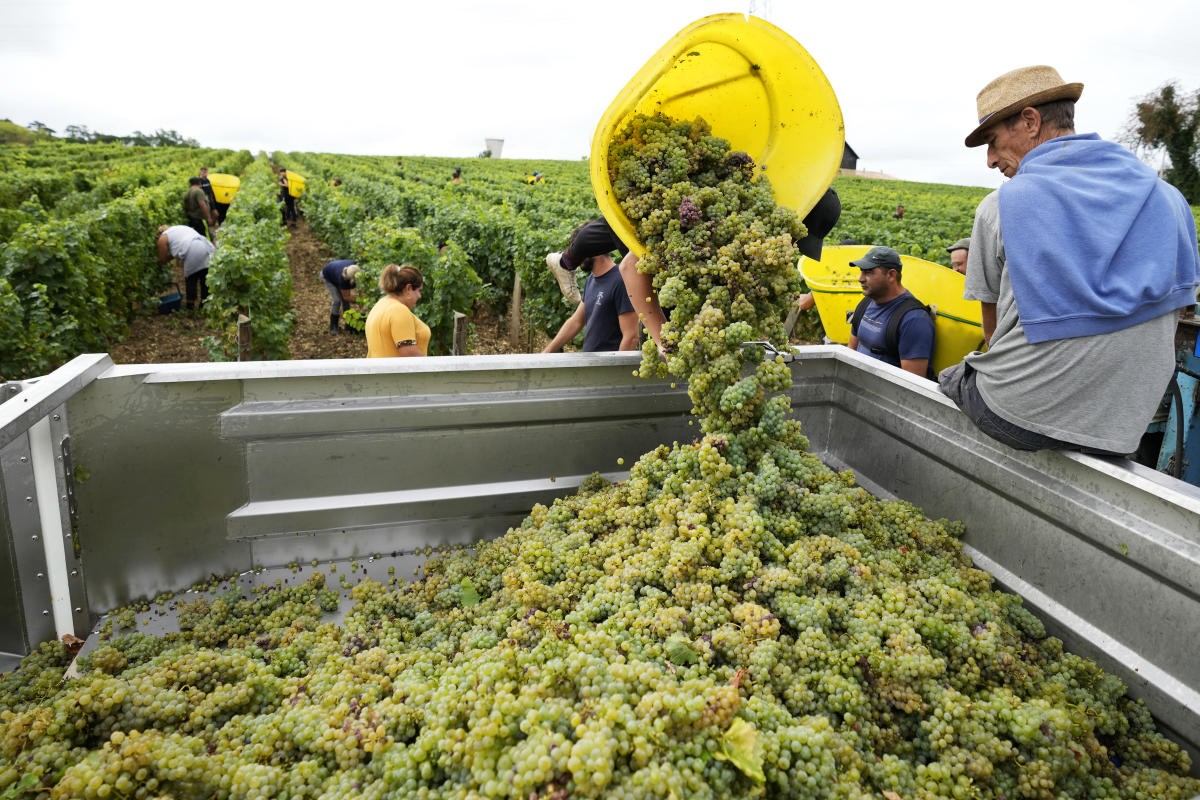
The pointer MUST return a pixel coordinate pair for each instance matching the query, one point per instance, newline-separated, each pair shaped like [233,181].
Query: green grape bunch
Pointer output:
[721,252]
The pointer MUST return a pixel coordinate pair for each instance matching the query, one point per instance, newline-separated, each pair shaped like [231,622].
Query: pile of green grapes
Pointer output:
[735,619]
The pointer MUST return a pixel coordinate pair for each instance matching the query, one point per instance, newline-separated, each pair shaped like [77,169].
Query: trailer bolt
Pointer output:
[41,575]
[56,418]
[64,497]
[28,499]
[74,573]
[34,537]
[78,610]
[45,613]
[24,459]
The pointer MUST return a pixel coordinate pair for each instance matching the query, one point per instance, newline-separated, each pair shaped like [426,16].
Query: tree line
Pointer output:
[12,134]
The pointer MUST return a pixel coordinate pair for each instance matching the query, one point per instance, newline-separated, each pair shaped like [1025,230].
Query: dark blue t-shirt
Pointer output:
[915,334]
[604,299]
[332,272]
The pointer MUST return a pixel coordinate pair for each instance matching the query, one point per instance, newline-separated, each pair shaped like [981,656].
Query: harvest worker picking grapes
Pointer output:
[1082,262]
[194,250]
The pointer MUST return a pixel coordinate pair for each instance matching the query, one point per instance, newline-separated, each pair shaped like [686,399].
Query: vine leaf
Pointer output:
[469,596]
[740,747]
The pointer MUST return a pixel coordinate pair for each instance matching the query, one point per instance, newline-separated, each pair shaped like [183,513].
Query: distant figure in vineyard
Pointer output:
[195,206]
[336,182]
[958,255]
[339,279]
[220,209]
[605,313]
[457,176]
[1098,277]
[392,327]
[899,213]
[536,177]
[289,203]
[194,250]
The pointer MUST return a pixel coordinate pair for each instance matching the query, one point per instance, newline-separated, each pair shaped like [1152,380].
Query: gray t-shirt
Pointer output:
[1096,391]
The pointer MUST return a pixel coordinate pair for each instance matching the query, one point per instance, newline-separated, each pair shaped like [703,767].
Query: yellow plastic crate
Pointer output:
[224,186]
[756,87]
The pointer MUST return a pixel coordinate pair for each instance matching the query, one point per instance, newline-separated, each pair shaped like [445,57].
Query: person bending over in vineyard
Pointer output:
[392,327]
[339,279]
[194,250]
[605,311]
[1082,261]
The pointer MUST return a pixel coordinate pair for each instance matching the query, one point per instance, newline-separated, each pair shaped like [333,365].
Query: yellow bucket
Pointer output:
[756,87]
[224,186]
[296,185]
[958,327]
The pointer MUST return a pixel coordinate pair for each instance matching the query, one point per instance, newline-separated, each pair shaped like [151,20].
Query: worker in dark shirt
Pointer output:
[339,278]
[604,312]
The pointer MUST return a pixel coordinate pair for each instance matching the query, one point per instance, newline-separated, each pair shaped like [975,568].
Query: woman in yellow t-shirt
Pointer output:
[392,327]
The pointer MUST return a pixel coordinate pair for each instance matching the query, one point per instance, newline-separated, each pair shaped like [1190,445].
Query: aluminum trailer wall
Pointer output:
[167,474]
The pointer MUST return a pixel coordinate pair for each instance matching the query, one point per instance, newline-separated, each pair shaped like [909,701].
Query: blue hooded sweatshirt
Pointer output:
[1094,241]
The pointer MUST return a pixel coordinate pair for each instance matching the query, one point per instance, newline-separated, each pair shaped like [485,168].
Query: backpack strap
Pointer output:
[855,316]
[892,334]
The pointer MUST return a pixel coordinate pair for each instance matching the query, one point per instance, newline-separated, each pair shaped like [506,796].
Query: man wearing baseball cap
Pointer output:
[1081,262]
[958,255]
[882,326]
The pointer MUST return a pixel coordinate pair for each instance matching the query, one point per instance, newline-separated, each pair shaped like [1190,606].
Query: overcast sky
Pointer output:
[437,78]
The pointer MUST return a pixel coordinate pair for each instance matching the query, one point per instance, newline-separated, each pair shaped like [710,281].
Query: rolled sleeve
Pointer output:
[985,258]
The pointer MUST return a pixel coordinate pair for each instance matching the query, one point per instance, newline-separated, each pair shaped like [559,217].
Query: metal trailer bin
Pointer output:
[121,481]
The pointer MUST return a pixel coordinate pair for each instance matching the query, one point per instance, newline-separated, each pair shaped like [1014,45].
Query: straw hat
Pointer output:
[1012,91]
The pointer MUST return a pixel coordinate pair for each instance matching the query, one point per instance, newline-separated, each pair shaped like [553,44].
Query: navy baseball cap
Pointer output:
[884,257]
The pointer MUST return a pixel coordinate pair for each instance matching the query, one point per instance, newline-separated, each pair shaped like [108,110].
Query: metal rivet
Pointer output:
[34,537]
[28,499]
[56,418]
[74,572]
[78,610]
[24,459]
[41,575]
[45,613]
[64,497]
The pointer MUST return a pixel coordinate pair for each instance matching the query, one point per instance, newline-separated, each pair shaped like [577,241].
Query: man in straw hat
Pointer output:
[1081,262]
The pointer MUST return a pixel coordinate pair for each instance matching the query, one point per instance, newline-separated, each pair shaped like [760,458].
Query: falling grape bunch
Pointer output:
[735,619]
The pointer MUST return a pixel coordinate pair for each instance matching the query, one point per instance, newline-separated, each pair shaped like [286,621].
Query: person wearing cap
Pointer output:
[592,238]
[339,278]
[885,296]
[958,255]
[1081,261]
[604,314]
